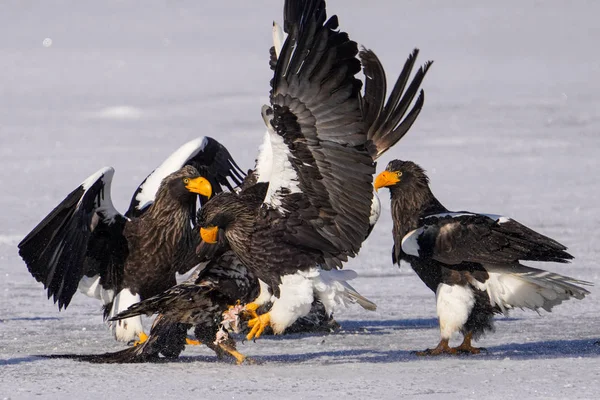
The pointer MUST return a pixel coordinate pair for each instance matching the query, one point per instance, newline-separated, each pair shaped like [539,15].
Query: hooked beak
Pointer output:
[200,185]
[209,235]
[386,178]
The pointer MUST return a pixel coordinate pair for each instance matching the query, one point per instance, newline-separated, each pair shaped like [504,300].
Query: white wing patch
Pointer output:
[278,38]
[264,162]
[103,202]
[283,174]
[175,162]
[375,210]
[409,242]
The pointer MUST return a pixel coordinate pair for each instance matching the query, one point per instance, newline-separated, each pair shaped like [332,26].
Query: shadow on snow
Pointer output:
[516,351]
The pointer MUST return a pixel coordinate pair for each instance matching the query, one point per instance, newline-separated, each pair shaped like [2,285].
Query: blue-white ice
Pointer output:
[511,126]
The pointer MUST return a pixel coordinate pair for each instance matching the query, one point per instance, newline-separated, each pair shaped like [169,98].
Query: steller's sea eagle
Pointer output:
[209,301]
[121,259]
[471,261]
[318,160]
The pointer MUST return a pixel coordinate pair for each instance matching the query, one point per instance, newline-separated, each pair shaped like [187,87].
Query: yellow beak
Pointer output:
[386,178]
[199,185]
[209,235]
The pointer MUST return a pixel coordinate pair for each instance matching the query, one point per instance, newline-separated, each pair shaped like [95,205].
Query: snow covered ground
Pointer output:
[511,125]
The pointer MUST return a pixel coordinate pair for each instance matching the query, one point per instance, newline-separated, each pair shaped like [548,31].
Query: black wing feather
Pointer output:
[55,250]
[388,122]
[481,239]
[316,110]
[212,160]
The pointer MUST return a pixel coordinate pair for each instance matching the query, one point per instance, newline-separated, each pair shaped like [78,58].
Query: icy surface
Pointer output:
[511,125]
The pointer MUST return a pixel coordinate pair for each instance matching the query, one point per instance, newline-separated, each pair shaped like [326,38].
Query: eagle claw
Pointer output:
[250,309]
[258,325]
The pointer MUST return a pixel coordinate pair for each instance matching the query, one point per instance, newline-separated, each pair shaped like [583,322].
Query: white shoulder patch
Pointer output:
[264,162]
[173,163]
[283,174]
[278,38]
[103,203]
[375,210]
[409,242]
[107,172]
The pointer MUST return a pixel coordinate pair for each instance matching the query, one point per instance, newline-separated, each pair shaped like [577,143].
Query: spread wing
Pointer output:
[82,236]
[321,172]
[388,122]
[454,238]
[207,155]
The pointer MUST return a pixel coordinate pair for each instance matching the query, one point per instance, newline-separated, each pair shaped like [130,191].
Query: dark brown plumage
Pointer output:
[198,302]
[324,138]
[85,243]
[471,261]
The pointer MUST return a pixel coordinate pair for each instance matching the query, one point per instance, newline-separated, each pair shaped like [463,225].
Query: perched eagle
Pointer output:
[318,161]
[121,259]
[471,261]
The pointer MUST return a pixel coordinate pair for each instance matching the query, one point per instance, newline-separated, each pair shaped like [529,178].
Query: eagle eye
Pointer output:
[186,180]
[399,174]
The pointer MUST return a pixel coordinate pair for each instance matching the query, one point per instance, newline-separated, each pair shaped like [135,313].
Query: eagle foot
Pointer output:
[142,337]
[467,348]
[250,309]
[258,325]
[441,348]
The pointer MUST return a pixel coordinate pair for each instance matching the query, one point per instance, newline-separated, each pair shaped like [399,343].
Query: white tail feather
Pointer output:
[332,288]
[525,287]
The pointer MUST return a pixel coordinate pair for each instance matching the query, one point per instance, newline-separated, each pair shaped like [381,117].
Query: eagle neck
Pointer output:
[409,206]
[168,219]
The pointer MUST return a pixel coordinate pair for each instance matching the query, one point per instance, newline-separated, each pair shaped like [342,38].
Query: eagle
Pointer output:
[119,258]
[471,261]
[318,160]
[209,301]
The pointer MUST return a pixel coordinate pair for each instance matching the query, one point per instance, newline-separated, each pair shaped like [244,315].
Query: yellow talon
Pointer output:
[258,325]
[251,308]
[192,342]
[142,337]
